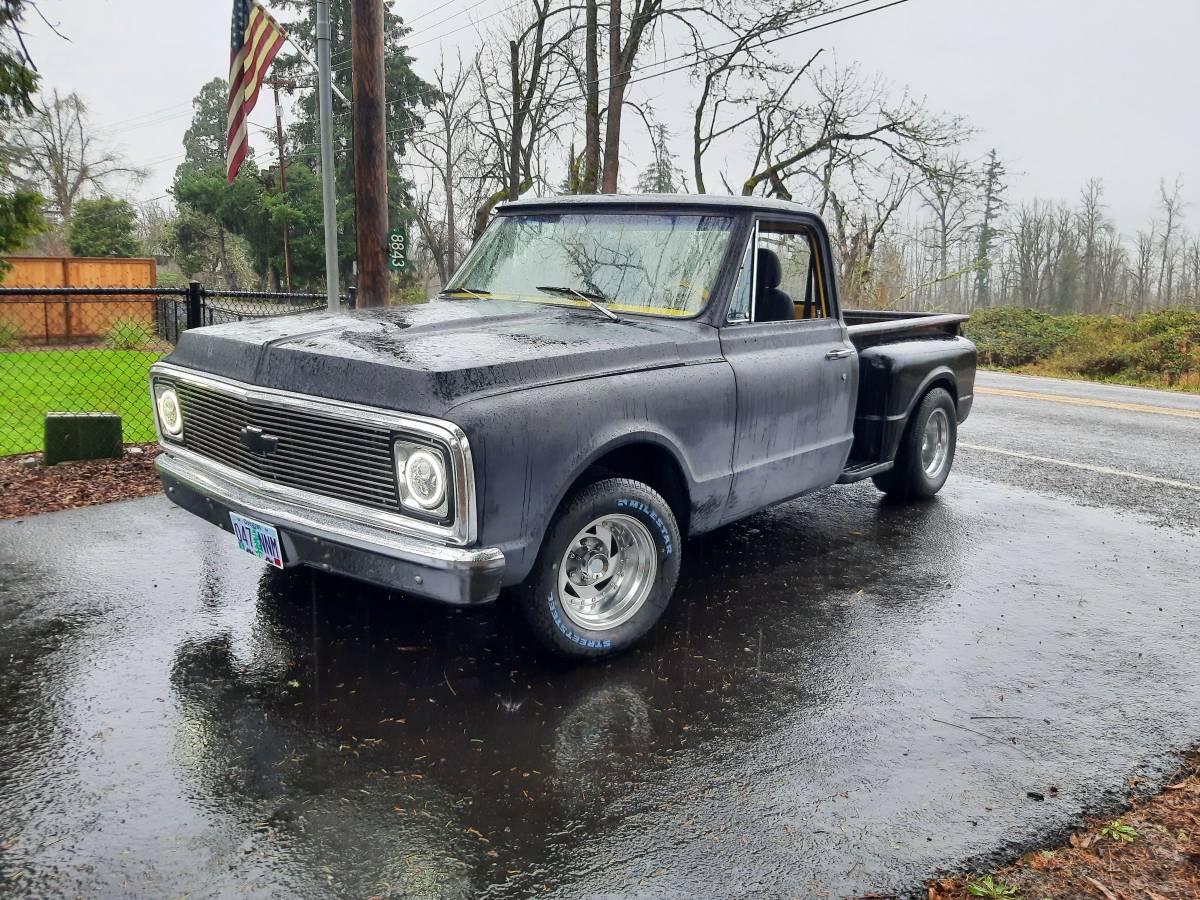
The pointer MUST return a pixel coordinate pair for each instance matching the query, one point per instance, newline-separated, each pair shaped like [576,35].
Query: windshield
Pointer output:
[633,262]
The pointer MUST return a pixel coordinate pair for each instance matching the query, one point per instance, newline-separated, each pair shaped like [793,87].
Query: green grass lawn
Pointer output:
[33,383]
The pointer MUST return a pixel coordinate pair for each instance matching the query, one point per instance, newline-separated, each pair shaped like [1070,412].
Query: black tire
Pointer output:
[908,479]
[538,596]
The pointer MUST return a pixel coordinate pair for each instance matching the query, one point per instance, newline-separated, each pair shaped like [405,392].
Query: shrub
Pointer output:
[1160,349]
[172,280]
[128,336]
[1012,336]
[9,336]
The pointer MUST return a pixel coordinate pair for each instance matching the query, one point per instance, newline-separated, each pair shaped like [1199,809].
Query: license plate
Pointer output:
[258,539]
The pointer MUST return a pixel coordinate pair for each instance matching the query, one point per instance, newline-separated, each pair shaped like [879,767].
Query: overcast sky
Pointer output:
[1064,89]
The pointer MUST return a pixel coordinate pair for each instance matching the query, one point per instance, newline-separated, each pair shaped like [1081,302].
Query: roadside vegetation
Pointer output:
[1152,851]
[1155,349]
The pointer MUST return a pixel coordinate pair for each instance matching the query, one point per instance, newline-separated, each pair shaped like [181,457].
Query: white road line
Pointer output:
[1102,470]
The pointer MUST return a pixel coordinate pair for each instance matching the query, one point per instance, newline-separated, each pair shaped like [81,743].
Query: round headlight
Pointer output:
[169,414]
[426,478]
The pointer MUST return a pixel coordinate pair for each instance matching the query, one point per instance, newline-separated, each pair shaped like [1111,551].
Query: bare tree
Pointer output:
[521,107]
[445,145]
[1111,270]
[949,192]
[590,177]
[1143,263]
[847,112]
[720,74]
[858,220]
[1091,229]
[1191,266]
[55,152]
[1172,210]
[1031,235]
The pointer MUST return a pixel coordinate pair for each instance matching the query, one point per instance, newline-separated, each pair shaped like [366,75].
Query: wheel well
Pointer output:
[942,381]
[650,464]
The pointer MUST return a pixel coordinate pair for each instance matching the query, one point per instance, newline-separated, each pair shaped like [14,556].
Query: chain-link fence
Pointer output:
[90,349]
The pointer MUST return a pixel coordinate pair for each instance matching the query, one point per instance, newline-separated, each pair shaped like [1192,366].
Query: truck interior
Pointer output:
[788,282]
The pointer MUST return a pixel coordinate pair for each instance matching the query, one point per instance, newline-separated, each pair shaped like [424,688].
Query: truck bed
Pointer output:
[869,327]
[900,355]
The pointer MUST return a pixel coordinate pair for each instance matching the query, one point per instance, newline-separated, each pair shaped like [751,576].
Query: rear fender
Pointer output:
[892,380]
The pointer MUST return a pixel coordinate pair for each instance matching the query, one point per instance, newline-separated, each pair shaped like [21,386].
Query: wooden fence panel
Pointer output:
[56,320]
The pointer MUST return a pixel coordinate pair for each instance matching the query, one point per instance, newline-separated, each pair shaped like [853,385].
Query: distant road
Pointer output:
[1106,444]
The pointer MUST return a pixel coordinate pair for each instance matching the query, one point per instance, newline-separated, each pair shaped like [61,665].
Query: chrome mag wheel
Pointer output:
[607,572]
[935,443]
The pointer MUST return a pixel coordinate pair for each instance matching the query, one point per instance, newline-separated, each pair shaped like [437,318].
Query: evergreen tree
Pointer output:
[662,176]
[405,93]
[20,209]
[993,203]
[204,141]
[199,241]
[103,227]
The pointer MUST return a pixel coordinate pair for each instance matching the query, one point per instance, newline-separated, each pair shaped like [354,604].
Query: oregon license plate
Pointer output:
[258,539]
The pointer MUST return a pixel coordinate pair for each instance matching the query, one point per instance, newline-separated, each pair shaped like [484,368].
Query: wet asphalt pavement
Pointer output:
[847,696]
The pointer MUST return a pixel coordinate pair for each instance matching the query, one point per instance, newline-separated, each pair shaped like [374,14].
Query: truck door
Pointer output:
[795,370]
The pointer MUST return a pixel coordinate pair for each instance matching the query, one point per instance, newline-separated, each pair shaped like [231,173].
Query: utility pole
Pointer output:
[370,150]
[276,84]
[328,200]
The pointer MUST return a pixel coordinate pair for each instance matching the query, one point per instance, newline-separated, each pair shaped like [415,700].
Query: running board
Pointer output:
[863,470]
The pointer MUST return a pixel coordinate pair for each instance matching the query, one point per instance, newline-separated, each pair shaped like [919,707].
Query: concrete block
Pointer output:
[75,436]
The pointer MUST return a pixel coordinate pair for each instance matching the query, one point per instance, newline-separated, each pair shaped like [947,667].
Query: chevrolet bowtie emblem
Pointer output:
[254,440]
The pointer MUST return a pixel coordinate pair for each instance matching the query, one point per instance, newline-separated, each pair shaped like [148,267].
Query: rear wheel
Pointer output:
[606,570]
[926,450]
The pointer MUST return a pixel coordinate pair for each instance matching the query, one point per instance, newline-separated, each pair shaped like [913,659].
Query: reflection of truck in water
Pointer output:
[602,377]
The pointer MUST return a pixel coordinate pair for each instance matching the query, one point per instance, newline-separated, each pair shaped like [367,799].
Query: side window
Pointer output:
[788,282]
[743,291]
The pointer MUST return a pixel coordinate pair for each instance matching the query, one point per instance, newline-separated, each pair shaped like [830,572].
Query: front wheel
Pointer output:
[926,450]
[606,571]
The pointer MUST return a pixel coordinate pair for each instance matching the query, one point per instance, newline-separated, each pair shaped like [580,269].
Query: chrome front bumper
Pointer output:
[458,575]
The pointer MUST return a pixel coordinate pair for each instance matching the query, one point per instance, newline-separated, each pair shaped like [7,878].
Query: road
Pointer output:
[848,695]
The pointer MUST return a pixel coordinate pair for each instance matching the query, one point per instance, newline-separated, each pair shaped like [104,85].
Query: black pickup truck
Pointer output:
[602,378]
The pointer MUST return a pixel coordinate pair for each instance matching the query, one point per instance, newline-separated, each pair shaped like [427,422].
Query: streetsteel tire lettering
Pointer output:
[571,635]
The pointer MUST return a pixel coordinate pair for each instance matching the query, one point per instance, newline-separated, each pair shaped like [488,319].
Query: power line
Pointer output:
[344,66]
[693,56]
[430,12]
[132,123]
[467,9]
[146,115]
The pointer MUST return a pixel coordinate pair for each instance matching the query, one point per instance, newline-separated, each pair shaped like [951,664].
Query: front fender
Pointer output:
[531,446]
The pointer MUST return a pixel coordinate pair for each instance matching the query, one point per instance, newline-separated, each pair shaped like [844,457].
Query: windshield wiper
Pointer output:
[466,290]
[588,298]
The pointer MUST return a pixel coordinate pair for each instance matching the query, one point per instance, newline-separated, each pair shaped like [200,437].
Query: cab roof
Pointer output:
[656,202]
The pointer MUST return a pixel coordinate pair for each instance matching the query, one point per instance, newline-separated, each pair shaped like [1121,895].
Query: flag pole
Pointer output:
[312,62]
[325,99]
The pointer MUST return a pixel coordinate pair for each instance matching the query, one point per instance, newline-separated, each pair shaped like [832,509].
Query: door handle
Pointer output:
[840,353]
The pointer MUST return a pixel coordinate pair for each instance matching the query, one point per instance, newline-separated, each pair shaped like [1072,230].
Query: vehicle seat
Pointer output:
[771,304]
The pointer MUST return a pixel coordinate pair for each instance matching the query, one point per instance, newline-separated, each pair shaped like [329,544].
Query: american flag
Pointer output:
[256,39]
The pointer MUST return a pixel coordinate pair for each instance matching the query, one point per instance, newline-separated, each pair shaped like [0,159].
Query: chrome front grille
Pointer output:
[344,459]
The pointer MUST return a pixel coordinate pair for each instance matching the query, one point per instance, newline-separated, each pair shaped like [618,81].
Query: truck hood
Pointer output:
[428,358]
